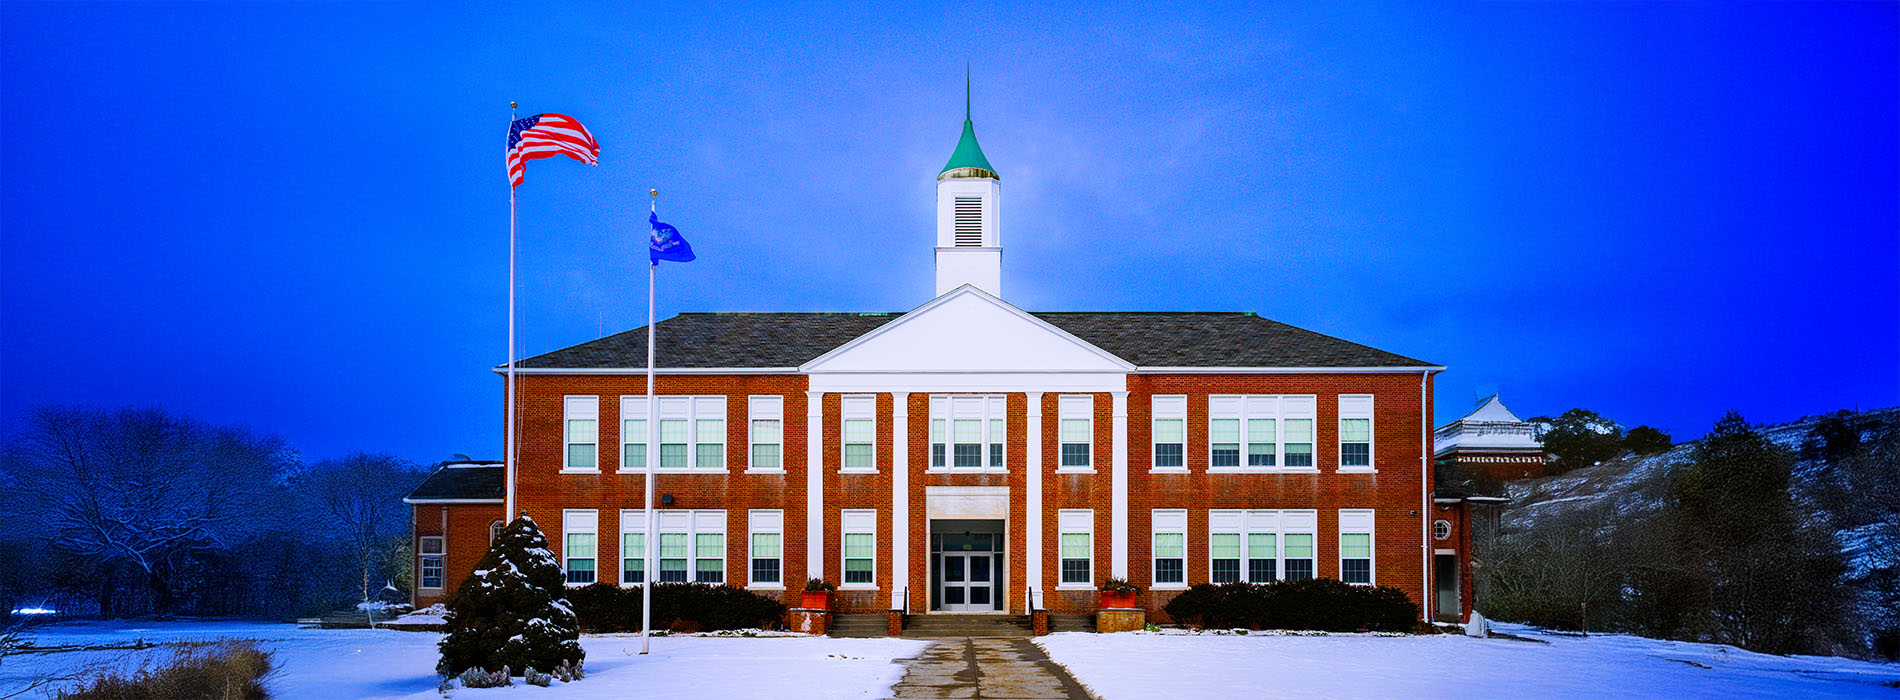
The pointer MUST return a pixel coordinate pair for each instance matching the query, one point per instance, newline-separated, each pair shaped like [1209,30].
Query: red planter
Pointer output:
[1123,599]
[815,600]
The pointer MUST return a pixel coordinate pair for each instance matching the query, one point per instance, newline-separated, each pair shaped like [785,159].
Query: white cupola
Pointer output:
[969,244]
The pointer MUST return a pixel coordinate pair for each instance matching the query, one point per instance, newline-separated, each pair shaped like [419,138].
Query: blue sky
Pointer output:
[294,216]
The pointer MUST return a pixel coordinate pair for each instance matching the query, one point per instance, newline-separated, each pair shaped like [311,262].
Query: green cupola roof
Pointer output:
[968,160]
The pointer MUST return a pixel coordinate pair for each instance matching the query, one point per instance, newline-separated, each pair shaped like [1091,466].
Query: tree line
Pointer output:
[142,511]
[1735,539]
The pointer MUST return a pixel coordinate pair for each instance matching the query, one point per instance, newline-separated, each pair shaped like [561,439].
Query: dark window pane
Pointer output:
[1168,571]
[1075,571]
[1299,569]
[859,576]
[1168,454]
[632,576]
[936,455]
[1355,570]
[1075,454]
[1225,571]
[1355,454]
[969,455]
[580,576]
[1259,459]
[1260,570]
[765,571]
[1226,455]
[1299,459]
[996,458]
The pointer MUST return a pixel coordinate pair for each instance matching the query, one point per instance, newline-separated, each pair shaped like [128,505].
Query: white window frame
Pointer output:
[765,522]
[575,408]
[634,407]
[857,407]
[764,408]
[1359,521]
[1298,522]
[440,556]
[1075,521]
[1076,407]
[1167,521]
[692,524]
[1357,406]
[1167,407]
[634,522]
[1247,408]
[988,410]
[579,521]
[857,522]
[694,410]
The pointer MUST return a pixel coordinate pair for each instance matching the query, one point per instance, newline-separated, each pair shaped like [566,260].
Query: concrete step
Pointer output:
[1071,623]
[859,625]
[941,625]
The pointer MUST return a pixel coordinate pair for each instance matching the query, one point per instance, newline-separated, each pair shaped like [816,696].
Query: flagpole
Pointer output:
[653,423]
[508,450]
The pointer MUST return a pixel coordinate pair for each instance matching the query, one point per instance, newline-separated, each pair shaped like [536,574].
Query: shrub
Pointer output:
[511,611]
[607,608]
[1119,585]
[1310,604]
[819,584]
[226,670]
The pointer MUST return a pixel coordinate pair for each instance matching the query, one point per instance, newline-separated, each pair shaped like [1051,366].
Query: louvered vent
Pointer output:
[969,222]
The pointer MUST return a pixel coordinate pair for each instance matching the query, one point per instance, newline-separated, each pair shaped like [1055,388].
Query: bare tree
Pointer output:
[358,500]
[143,487]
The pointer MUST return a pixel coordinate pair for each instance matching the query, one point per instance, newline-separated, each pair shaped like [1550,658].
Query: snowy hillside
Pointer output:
[1636,485]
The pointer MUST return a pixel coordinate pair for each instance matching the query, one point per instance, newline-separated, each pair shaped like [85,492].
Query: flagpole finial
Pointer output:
[512,105]
[655,193]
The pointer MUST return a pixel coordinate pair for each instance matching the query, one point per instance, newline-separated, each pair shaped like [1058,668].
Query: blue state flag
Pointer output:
[666,243]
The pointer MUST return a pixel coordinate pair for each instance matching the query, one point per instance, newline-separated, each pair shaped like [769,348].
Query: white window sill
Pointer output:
[857,586]
[580,585]
[1075,587]
[1358,470]
[677,470]
[420,589]
[967,470]
[857,470]
[629,585]
[1262,470]
[580,471]
[1168,470]
[765,588]
[1074,470]
[1168,587]
[765,471]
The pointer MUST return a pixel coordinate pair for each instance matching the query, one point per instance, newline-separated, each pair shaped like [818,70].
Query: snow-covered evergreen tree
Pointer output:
[512,611]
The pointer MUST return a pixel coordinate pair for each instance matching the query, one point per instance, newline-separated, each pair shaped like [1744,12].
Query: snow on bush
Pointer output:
[511,613]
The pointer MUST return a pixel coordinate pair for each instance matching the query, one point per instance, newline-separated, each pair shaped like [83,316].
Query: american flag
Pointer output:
[544,135]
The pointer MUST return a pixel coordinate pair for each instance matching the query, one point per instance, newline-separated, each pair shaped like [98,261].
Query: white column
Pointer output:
[900,498]
[1118,528]
[1032,530]
[814,484]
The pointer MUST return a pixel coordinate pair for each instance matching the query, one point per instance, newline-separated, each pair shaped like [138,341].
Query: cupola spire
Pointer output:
[969,243]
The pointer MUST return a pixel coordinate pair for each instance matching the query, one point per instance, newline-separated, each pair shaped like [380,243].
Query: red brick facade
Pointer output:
[1394,489]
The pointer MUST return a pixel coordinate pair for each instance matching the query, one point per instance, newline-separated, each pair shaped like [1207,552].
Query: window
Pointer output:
[633,547]
[1355,546]
[692,546]
[1076,432]
[1297,532]
[768,534]
[1244,545]
[1441,529]
[494,531]
[1077,528]
[582,418]
[966,432]
[579,528]
[692,432]
[860,432]
[633,433]
[1355,431]
[1170,555]
[1170,432]
[1245,431]
[860,547]
[768,433]
[429,562]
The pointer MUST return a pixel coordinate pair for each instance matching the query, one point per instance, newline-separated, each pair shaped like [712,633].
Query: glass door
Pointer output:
[968,583]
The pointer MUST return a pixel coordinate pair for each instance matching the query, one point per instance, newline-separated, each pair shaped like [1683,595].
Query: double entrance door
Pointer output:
[968,582]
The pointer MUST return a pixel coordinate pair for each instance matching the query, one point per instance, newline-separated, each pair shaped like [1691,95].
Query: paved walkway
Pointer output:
[987,668]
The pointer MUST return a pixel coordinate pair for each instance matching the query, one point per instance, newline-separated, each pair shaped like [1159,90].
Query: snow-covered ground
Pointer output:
[1137,665]
[315,663]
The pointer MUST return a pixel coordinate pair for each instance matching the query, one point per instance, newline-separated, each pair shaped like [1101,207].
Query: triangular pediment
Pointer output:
[967,330]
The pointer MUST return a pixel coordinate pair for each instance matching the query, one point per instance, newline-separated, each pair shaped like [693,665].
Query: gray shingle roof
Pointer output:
[1144,339]
[461,482]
